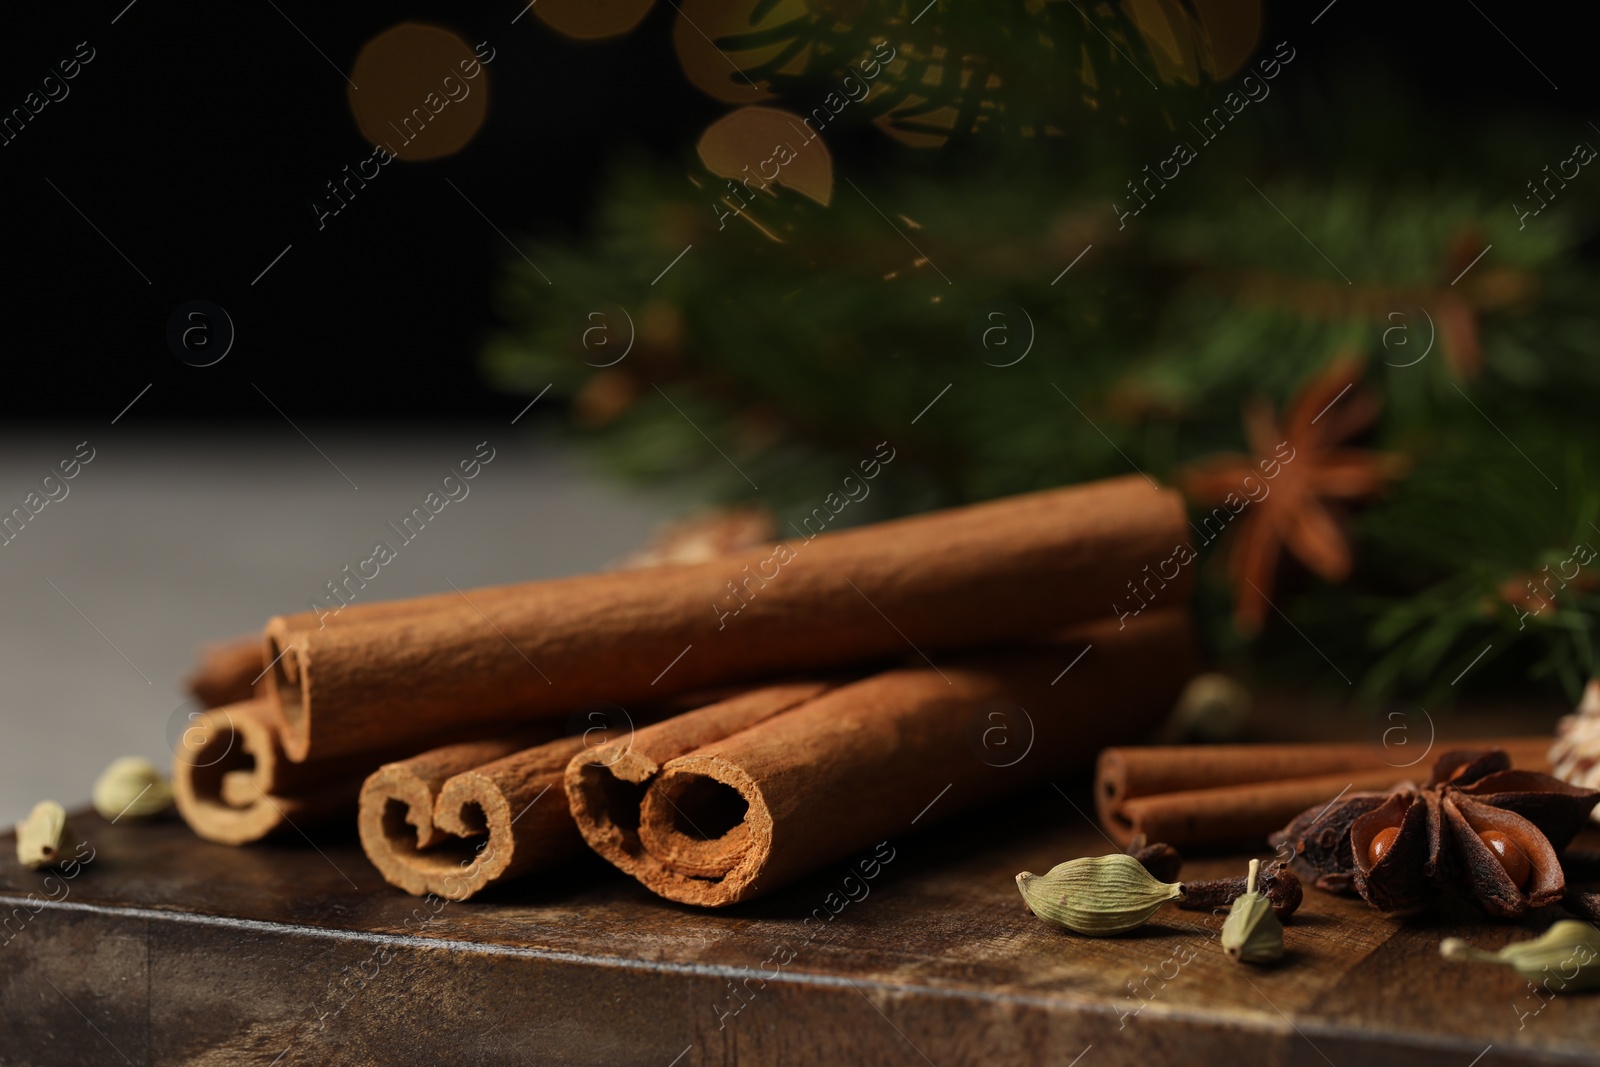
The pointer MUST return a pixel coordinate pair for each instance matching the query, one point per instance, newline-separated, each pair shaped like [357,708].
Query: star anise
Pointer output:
[1300,468]
[1478,830]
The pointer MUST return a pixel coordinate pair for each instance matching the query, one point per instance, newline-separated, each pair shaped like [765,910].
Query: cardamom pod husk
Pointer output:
[1252,933]
[131,786]
[1097,895]
[40,835]
[1571,945]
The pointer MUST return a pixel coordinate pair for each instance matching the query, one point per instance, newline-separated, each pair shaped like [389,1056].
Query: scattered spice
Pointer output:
[1567,953]
[1478,829]
[1161,860]
[1280,886]
[40,835]
[1252,933]
[1097,895]
[133,787]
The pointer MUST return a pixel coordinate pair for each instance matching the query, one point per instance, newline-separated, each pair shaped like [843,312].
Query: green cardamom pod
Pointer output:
[131,786]
[1567,954]
[1097,895]
[1252,932]
[40,835]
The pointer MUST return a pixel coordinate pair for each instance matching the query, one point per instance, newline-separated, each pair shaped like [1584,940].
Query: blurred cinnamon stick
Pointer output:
[1192,796]
[233,785]
[229,672]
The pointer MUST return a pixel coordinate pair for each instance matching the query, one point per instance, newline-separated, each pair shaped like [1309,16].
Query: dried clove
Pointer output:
[1281,887]
[1161,860]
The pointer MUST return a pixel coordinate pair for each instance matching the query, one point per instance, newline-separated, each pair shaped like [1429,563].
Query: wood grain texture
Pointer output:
[919,951]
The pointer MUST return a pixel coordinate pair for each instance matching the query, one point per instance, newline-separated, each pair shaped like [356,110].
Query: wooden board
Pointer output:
[166,950]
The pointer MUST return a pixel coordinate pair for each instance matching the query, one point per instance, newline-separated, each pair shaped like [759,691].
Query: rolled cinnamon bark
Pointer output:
[871,759]
[695,539]
[983,573]
[455,820]
[228,672]
[233,785]
[604,788]
[519,809]
[1211,795]
[1235,814]
[402,838]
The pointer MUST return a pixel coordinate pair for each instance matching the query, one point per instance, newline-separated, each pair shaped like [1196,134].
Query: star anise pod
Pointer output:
[1292,490]
[1478,830]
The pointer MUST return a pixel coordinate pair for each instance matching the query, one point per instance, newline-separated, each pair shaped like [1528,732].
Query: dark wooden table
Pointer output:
[167,950]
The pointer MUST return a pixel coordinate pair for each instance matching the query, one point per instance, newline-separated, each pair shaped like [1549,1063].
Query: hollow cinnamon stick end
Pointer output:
[395,819]
[473,808]
[605,791]
[216,774]
[707,834]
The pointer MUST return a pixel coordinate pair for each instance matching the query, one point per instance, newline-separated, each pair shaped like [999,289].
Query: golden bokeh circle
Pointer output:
[420,91]
[592,20]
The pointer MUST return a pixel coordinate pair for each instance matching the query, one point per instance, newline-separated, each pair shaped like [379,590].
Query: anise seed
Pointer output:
[1512,858]
[1381,843]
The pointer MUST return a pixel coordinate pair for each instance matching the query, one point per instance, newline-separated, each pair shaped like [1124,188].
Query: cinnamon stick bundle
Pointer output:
[978,574]
[746,813]
[455,820]
[1194,796]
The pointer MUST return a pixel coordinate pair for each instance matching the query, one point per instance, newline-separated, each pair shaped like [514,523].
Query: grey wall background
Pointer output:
[167,540]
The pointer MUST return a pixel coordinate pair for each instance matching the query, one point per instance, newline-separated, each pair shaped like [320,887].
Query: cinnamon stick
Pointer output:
[605,789]
[696,539]
[228,672]
[899,750]
[518,806]
[977,574]
[416,852]
[233,785]
[1193,796]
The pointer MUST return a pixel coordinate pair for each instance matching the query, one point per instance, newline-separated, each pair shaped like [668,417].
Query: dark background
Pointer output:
[198,136]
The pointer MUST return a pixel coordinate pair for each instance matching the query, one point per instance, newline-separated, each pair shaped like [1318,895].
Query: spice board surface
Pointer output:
[163,949]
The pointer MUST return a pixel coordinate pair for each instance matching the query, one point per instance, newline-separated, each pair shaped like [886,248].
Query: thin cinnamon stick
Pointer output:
[1141,771]
[969,575]
[1236,814]
[397,816]
[518,807]
[229,672]
[894,752]
[1206,795]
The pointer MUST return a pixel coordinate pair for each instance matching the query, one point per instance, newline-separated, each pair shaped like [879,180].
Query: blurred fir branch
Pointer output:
[785,343]
[1018,68]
